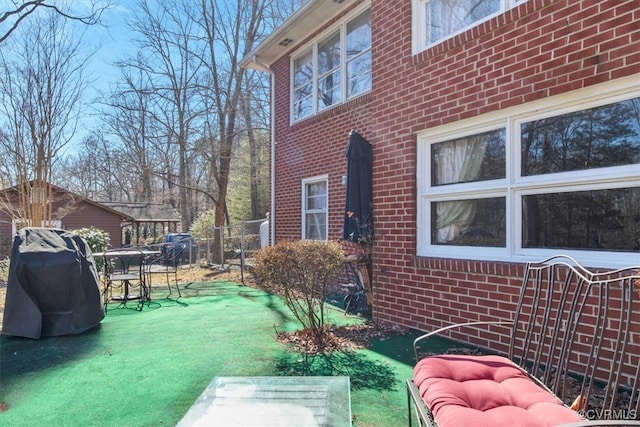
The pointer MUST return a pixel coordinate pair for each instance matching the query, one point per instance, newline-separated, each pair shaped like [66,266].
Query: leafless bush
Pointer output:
[300,272]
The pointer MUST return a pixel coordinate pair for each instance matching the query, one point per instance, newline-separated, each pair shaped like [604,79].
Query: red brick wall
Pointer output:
[536,50]
[315,146]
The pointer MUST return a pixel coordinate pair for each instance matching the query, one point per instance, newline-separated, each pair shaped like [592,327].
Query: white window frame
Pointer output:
[514,186]
[304,211]
[313,48]
[419,23]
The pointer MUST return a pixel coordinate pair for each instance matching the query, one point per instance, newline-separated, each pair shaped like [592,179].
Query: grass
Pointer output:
[147,368]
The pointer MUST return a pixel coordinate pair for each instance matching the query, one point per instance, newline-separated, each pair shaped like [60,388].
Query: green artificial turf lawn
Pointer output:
[147,368]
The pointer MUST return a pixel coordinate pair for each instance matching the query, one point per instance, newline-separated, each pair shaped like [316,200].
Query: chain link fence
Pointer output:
[238,244]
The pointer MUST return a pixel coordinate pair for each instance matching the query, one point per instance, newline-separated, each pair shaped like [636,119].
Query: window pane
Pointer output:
[316,196]
[316,226]
[329,55]
[317,189]
[605,220]
[595,138]
[303,70]
[303,87]
[329,72]
[359,35]
[329,90]
[359,55]
[477,222]
[359,74]
[473,158]
[303,101]
[445,17]
[316,202]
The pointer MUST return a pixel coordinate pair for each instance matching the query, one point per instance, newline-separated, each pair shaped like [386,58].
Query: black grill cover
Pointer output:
[53,287]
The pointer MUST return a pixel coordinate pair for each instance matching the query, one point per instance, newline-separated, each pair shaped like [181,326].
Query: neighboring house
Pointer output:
[150,221]
[502,132]
[70,211]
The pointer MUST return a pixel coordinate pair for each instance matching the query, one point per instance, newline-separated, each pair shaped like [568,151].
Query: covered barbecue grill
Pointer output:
[53,287]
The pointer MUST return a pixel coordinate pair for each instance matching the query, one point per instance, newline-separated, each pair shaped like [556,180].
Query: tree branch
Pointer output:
[28,7]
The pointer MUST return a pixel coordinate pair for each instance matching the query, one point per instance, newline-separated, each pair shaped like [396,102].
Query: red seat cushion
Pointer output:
[486,391]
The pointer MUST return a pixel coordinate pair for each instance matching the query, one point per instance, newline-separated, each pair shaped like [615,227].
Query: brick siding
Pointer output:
[538,49]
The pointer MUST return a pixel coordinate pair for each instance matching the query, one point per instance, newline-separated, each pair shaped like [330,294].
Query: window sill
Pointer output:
[357,101]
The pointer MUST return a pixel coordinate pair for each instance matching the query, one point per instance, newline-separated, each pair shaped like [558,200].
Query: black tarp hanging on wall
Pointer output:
[358,218]
[53,287]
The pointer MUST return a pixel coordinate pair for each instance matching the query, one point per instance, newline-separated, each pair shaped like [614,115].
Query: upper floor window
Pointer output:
[334,69]
[437,20]
[314,208]
[534,184]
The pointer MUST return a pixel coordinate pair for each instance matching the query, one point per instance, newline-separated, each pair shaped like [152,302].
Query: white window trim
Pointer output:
[303,211]
[313,46]
[514,186]
[419,24]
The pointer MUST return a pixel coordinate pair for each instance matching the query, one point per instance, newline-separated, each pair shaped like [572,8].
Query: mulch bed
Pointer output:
[336,338]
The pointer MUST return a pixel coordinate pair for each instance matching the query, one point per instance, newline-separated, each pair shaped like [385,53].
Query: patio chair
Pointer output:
[166,264]
[573,356]
[124,270]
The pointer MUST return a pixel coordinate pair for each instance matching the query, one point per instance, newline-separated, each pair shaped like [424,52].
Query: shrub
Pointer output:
[300,272]
[98,240]
[204,225]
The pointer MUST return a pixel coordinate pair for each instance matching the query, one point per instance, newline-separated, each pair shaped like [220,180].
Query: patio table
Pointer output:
[272,401]
[124,253]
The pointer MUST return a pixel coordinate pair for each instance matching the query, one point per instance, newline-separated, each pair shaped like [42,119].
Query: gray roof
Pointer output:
[145,212]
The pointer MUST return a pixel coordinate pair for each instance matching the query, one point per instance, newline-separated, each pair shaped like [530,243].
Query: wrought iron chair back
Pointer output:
[167,266]
[576,332]
[576,326]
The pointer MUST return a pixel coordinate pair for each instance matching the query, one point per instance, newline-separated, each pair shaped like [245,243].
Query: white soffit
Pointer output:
[310,17]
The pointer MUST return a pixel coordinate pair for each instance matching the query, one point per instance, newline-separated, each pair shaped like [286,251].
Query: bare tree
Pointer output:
[257,139]
[171,63]
[15,12]
[190,107]
[255,109]
[41,84]
[129,117]
[88,170]
[231,29]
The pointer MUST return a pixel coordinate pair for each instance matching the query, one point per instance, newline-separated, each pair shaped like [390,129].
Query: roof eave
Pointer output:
[310,17]
[77,196]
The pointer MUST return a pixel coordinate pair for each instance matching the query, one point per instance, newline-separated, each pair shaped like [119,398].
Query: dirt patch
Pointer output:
[206,274]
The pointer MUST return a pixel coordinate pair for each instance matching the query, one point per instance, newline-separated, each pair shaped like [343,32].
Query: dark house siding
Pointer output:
[73,212]
[87,215]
